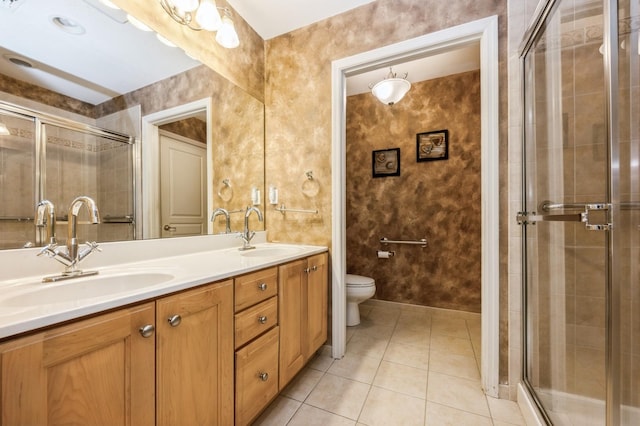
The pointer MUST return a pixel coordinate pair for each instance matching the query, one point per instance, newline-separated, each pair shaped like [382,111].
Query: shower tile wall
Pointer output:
[17,196]
[436,200]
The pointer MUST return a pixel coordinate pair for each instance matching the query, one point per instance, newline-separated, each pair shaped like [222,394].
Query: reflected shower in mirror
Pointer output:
[94,78]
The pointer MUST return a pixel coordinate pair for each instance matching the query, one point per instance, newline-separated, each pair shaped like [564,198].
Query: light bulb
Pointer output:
[227,36]
[208,17]
[136,23]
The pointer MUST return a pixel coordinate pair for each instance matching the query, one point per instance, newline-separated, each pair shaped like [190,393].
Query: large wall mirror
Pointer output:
[77,60]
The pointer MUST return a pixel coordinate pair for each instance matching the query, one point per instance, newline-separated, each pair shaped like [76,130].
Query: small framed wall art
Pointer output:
[386,162]
[432,146]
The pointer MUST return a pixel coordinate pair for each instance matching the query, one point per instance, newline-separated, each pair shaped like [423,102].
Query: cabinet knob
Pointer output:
[175,320]
[314,268]
[263,376]
[262,319]
[262,286]
[307,270]
[147,330]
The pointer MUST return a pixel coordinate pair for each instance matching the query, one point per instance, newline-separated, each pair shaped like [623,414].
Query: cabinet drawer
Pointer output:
[255,287]
[256,376]
[256,320]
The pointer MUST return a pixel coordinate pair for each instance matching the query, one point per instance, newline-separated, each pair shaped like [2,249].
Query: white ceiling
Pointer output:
[276,17]
[105,61]
[94,67]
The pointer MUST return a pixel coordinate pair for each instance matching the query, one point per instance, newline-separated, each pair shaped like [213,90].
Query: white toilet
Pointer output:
[359,289]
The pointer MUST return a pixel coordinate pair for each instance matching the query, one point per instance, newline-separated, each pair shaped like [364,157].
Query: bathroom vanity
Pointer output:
[213,342]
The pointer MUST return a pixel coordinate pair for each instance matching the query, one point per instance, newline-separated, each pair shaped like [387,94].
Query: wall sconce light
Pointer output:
[4,130]
[392,89]
[203,15]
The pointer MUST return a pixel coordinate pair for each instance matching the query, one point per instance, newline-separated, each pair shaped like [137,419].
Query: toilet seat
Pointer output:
[359,281]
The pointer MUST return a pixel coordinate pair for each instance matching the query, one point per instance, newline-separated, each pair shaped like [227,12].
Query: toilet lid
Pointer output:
[359,281]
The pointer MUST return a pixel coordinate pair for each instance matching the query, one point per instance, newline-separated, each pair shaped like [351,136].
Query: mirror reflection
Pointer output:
[217,146]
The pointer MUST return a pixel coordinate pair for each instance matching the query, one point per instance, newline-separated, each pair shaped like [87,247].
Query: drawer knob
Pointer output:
[147,330]
[175,320]
[262,319]
[263,376]
[262,286]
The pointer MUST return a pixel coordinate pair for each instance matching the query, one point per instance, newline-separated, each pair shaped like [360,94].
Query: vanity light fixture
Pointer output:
[392,89]
[4,131]
[203,15]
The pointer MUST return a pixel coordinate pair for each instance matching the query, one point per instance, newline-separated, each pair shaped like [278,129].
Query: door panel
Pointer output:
[183,170]
[567,214]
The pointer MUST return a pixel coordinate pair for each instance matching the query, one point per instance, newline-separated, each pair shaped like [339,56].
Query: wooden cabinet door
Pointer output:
[292,279]
[256,376]
[317,294]
[194,356]
[98,371]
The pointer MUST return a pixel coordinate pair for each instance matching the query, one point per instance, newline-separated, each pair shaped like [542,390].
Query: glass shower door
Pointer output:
[566,214]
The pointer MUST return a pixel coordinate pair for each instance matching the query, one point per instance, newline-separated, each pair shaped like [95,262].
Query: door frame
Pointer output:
[484,31]
[150,159]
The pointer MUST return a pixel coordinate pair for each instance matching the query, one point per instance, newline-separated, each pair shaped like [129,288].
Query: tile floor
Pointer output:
[403,366]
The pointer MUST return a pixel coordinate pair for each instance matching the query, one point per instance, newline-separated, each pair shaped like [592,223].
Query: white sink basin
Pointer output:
[79,289]
[270,251]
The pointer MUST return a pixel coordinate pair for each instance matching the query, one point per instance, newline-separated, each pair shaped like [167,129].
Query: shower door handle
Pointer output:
[531,218]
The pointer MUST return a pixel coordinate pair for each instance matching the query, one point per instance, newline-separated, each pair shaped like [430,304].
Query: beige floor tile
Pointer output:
[302,385]
[384,407]
[383,315]
[371,328]
[350,332]
[413,356]
[402,378]
[414,321]
[449,327]
[505,411]
[356,367]
[278,413]
[457,392]
[322,360]
[441,415]
[339,396]
[312,416]
[364,344]
[410,337]
[451,345]
[454,365]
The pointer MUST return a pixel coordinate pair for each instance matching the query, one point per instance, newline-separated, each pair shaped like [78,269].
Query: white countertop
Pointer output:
[154,277]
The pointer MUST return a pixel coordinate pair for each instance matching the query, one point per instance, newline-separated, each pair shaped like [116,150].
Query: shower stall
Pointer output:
[53,158]
[581,212]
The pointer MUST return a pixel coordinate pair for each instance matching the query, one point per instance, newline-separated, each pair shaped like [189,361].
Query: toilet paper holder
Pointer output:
[382,254]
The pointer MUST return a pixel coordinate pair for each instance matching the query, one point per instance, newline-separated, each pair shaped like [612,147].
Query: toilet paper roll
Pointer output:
[385,254]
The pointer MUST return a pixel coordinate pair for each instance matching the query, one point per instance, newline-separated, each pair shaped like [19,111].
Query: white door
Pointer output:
[183,170]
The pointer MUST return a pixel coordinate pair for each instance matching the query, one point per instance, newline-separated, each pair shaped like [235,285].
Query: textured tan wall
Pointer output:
[436,200]
[298,109]
[192,128]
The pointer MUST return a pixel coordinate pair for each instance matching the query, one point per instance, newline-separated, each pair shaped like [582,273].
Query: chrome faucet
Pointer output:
[46,214]
[220,211]
[70,256]
[246,234]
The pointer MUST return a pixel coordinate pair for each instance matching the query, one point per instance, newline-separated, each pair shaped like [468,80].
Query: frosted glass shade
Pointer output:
[227,36]
[391,90]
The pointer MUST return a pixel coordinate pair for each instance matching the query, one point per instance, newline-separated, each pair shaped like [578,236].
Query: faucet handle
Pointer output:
[48,250]
[93,246]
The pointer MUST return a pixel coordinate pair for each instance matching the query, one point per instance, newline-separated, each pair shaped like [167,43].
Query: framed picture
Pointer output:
[432,146]
[386,162]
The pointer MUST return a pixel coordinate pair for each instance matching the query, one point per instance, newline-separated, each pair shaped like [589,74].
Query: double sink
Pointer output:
[116,281]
